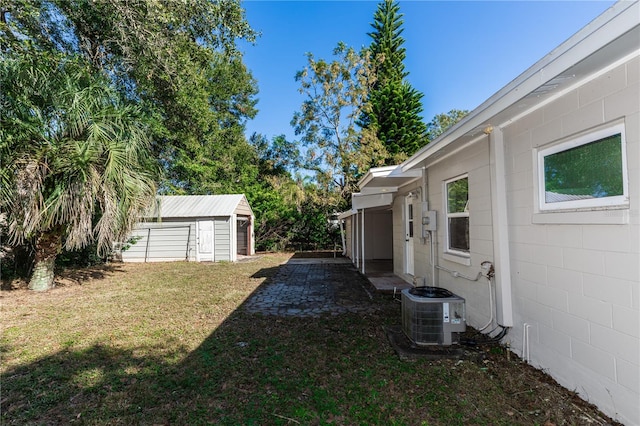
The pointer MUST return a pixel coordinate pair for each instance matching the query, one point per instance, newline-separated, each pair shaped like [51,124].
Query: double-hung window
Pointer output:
[457,215]
[584,172]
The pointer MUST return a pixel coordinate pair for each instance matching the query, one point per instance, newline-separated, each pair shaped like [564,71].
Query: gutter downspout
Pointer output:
[432,235]
[356,242]
[500,224]
[362,235]
[343,237]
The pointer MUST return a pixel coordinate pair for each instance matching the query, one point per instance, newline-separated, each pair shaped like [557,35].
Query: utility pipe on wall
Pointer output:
[356,242]
[500,225]
[362,235]
[343,237]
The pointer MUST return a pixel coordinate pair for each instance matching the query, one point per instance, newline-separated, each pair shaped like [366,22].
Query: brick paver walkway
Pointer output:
[313,287]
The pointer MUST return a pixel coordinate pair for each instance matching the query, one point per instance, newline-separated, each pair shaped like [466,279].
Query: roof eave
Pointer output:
[613,23]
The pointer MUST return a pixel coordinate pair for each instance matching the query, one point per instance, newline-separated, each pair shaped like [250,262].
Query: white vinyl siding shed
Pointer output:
[210,228]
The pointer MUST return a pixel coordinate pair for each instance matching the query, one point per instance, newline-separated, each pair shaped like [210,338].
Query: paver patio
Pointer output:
[313,287]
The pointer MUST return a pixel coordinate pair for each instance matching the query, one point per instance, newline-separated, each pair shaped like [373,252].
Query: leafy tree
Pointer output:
[275,197]
[338,150]
[76,163]
[441,122]
[278,157]
[176,59]
[395,105]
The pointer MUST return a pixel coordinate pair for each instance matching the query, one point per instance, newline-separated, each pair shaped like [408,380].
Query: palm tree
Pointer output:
[76,164]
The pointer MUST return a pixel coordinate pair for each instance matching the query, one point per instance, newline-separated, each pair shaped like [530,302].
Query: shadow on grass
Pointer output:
[252,369]
[67,277]
[267,370]
[266,272]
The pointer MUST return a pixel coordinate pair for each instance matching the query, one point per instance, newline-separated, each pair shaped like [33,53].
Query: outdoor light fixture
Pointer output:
[333,220]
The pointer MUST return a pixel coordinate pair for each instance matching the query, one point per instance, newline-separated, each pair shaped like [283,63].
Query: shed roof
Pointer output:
[196,205]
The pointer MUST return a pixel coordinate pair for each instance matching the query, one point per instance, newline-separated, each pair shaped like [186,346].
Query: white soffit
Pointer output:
[387,179]
[369,201]
[347,214]
[612,36]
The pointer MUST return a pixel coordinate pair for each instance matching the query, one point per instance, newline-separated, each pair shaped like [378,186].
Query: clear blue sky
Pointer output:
[459,53]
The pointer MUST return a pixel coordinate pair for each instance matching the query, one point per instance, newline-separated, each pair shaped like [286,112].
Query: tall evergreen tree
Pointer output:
[395,105]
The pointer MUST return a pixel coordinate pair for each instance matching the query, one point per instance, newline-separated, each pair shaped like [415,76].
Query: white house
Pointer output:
[543,181]
[194,228]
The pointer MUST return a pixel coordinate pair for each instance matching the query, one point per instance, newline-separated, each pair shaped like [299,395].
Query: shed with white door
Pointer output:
[203,228]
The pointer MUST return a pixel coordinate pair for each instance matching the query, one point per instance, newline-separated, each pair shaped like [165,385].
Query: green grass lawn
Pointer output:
[162,344]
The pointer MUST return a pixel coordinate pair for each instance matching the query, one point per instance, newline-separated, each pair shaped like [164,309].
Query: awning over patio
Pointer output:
[387,179]
[367,201]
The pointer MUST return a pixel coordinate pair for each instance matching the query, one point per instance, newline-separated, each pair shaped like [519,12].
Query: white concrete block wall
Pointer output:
[473,161]
[578,284]
[399,234]
[398,238]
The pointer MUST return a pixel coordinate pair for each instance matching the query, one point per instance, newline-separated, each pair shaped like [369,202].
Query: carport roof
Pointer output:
[176,206]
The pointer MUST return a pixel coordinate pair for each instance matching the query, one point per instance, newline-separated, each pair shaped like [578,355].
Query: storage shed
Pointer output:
[199,228]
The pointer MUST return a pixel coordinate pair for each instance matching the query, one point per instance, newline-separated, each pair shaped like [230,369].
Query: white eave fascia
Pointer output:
[362,201]
[347,214]
[611,24]
[393,175]
[376,172]
[377,190]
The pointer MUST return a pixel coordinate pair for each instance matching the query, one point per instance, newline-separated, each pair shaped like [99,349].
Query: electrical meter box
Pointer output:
[428,222]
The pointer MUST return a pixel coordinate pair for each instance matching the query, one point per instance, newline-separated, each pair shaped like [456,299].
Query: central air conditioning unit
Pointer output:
[432,316]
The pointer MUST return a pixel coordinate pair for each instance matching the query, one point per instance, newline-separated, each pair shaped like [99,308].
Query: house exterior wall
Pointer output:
[576,276]
[473,161]
[162,242]
[380,247]
[348,237]
[567,281]
[399,232]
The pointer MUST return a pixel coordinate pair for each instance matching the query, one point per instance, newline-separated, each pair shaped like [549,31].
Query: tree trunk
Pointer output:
[47,248]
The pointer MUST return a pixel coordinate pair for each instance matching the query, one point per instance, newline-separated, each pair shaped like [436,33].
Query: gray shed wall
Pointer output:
[222,239]
[162,241]
[169,240]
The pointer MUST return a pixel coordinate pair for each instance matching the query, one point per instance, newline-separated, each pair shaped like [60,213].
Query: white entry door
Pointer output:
[408,223]
[205,247]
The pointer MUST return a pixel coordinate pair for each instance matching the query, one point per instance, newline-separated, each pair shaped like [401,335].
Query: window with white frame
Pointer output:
[584,172]
[457,215]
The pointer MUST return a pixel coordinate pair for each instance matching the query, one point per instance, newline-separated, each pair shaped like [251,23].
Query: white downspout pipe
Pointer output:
[343,237]
[356,241]
[500,224]
[363,262]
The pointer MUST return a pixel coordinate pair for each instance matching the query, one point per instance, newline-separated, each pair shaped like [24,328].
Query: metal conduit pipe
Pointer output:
[457,274]
[343,237]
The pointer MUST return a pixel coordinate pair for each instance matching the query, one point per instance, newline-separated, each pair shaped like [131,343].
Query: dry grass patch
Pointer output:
[170,344]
